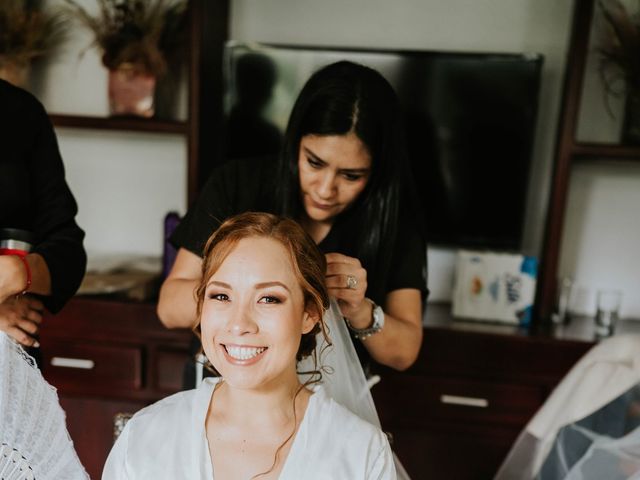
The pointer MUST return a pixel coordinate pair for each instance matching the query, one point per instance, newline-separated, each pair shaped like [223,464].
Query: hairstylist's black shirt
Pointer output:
[249,185]
[34,195]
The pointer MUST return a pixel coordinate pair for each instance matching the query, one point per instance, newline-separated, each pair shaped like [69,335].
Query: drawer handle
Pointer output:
[73,363]
[465,401]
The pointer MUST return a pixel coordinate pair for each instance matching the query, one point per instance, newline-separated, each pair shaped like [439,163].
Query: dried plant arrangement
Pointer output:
[27,32]
[619,57]
[619,50]
[143,33]
[139,41]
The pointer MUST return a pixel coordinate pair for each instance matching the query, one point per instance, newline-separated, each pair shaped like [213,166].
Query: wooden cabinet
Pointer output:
[457,411]
[106,358]
[568,151]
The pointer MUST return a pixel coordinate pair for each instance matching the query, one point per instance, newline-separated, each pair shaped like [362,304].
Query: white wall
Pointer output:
[124,182]
[156,165]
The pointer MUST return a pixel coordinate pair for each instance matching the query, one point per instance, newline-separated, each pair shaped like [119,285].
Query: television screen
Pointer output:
[470,122]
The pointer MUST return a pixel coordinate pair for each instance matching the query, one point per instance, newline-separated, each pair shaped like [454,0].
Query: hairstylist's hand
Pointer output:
[20,318]
[347,282]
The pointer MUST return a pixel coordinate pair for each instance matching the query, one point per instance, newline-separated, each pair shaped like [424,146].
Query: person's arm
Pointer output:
[398,343]
[177,302]
[57,262]
[58,259]
[13,275]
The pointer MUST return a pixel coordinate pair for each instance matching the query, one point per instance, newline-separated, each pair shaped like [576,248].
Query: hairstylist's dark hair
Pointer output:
[308,262]
[341,98]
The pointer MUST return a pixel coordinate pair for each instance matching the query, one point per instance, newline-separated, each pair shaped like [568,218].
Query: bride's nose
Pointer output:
[242,321]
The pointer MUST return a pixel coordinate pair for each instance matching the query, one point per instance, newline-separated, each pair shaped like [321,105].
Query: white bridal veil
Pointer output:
[34,442]
[343,377]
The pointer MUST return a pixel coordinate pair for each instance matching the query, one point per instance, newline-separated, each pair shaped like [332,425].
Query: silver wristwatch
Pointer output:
[376,324]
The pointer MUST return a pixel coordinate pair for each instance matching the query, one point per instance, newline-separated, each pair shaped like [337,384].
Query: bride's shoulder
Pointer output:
[173,412]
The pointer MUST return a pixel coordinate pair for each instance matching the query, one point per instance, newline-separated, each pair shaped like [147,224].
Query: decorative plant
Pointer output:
[620,64]
[620,49]
[139,33]
[27,32]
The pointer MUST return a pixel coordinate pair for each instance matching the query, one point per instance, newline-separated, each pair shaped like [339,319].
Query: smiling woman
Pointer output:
[260,304]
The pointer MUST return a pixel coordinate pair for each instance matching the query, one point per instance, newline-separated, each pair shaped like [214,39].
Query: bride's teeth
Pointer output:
[244,353]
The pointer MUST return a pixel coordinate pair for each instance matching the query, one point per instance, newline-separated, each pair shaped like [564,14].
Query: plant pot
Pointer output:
[14,71]
[131,91]
[631,124]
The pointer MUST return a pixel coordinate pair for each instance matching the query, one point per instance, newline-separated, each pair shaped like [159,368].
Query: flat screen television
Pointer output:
[470,120]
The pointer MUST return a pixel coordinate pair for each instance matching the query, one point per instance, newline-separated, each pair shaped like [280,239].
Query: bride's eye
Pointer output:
[221,297]
[269,299]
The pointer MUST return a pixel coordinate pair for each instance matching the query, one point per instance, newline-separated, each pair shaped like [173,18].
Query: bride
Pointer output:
[260,306]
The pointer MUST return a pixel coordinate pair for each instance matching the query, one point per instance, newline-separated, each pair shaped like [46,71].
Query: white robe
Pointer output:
[168,440]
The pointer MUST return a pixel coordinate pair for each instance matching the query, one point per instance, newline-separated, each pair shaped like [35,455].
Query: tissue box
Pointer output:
[494,286]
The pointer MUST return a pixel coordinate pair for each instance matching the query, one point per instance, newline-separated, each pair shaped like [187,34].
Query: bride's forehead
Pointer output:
[259,254]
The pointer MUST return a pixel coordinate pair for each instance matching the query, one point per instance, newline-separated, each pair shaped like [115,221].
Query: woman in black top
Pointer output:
[34,197]
[343,175]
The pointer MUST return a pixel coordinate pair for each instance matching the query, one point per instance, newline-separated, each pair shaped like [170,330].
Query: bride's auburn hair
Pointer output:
[309,264]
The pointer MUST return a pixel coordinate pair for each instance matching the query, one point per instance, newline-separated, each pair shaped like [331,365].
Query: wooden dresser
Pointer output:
[105,358]
[453,415]
[457,411]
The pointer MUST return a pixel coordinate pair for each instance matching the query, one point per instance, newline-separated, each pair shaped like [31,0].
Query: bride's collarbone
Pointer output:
[241,453]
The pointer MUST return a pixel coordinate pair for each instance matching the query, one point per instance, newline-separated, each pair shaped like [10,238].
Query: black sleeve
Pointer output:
[409,260]
[58,237]
[232,188]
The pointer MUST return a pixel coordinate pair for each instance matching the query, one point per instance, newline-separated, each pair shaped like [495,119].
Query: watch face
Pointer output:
[378,317]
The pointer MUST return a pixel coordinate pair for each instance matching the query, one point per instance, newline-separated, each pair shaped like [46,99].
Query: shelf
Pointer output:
[121,123]
[594,151]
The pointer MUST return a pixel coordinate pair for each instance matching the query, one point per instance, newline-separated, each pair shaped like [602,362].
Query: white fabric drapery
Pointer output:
[605,373]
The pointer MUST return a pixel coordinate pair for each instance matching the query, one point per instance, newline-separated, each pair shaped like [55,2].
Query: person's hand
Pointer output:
[20,318]
[347,282]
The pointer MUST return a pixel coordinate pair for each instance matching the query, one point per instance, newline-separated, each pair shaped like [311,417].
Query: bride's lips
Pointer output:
[243,354]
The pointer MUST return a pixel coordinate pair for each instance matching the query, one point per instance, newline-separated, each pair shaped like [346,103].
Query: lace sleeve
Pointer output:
[32,423]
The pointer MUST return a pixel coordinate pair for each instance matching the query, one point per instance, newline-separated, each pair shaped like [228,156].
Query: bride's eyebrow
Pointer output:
[217,283]
[272,284]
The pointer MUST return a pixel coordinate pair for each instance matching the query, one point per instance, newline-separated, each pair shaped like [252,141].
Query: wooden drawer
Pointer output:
[91,367]
[410,401]
[170,365]
[451,453]
[90,422]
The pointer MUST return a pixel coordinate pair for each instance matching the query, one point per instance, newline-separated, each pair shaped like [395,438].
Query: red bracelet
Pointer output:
[28,270]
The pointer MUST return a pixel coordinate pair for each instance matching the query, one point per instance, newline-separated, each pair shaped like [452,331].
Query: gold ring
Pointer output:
[352,282]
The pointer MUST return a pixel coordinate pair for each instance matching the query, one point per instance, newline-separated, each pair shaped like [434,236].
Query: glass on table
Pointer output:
[607,311]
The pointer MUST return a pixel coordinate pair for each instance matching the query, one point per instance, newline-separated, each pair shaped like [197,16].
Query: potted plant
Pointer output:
[26,32]
[137,39]
[619,55]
